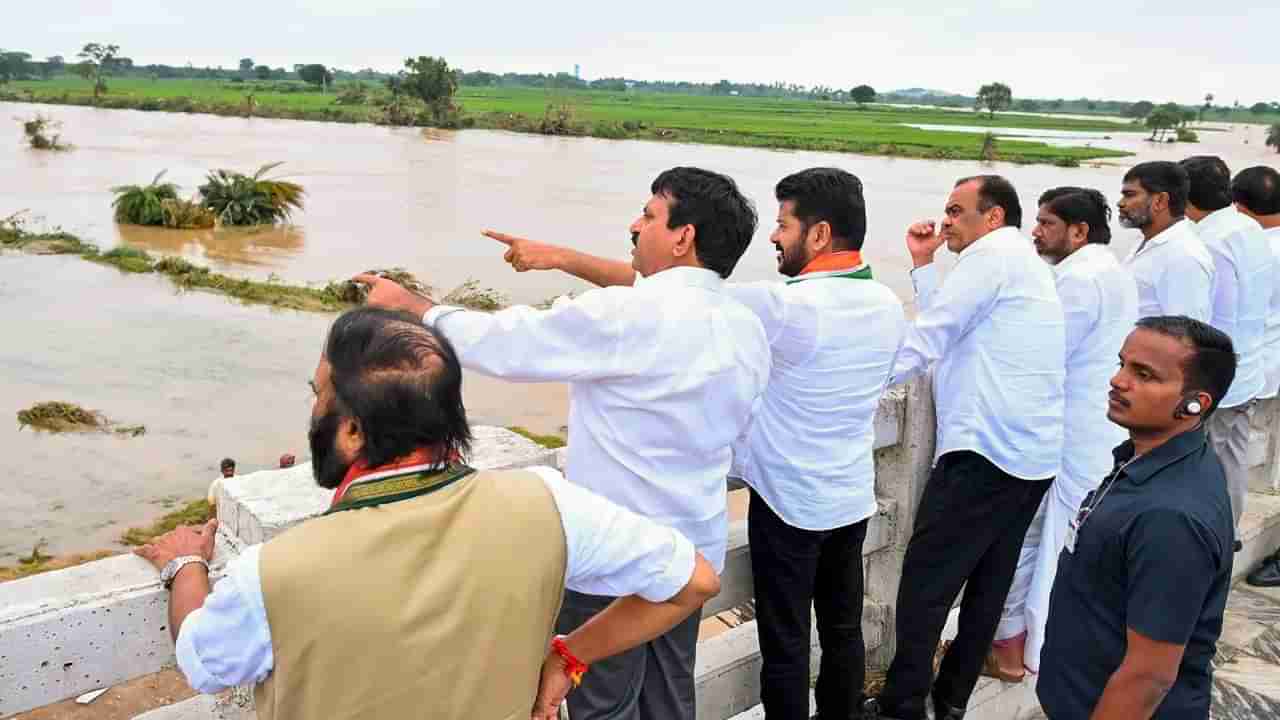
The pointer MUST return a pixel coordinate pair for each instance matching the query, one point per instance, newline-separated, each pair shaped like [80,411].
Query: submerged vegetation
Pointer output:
[65,417]
[227,197]
[196,512]
[41,133]
[331,297]
[551,442]
[143,204]
[238,199]
[38,562]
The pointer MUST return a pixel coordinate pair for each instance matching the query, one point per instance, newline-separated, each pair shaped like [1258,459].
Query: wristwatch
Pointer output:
[172,567]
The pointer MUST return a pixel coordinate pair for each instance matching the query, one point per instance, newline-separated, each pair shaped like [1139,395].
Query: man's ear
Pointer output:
[819,236]
[351,436]
[685,243]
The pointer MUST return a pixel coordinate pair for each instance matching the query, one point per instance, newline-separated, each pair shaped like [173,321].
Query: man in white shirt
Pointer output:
[1256,193]
[834,333]
[995,331]
[1172,267]
[1241,292]
[663,377]
[425,577]
[1100,304]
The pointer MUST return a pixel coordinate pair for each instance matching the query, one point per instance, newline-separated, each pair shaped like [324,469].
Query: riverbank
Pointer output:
[774,123]
[334,296]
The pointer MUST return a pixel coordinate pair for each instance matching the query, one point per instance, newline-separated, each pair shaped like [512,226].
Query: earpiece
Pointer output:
[1190,406]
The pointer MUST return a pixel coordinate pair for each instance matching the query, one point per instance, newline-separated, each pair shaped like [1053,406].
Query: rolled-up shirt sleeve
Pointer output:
[227,641]
[613,551]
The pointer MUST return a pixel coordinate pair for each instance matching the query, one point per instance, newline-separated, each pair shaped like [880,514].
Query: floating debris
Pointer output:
[65,417]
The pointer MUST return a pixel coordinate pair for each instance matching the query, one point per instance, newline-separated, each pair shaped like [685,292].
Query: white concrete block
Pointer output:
[727,671]
[231,705]
[258,506]
[736,584]
[67,632]
[890,416]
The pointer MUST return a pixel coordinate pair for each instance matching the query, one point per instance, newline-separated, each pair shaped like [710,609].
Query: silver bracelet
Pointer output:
[172,567]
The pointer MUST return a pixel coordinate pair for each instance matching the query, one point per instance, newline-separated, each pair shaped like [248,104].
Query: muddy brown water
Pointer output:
[212,378]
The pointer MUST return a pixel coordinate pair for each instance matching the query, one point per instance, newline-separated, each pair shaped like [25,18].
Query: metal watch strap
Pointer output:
[174,566]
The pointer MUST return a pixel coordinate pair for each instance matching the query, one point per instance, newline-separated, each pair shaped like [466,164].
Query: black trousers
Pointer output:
[794,569]
[651,682]
[968,534]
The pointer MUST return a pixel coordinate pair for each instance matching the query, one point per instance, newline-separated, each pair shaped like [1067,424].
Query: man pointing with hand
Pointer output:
[663,377]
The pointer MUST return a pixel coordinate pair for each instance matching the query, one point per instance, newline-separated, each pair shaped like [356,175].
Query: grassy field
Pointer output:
[753,122]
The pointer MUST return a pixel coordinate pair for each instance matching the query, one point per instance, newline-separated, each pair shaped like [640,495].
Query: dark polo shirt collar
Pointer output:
[1147,466]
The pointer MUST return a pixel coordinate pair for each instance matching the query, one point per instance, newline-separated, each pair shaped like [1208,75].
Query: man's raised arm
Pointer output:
[524,254]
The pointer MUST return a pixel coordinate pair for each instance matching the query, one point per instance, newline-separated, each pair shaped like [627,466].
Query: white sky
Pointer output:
[1159,51]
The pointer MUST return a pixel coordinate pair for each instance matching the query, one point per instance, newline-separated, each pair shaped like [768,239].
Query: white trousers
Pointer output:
[1027,606]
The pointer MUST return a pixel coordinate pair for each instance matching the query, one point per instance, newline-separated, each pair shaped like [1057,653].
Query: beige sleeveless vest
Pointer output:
[439,606]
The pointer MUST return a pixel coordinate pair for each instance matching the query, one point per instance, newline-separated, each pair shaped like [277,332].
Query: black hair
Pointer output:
[723,219]
[1082,205]
[1257,189]
[1212,365]
[226,463]
[831,195]
[1162,176]
[1210,182]
[995,191]
[401,381]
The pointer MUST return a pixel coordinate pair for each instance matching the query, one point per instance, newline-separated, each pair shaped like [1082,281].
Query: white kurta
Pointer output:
[1271,334]
[1100,304]
[1241,294]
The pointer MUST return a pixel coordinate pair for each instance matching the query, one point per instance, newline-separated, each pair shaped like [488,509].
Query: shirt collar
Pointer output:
[1210,222]
[1146,467]
[1164,236]
[1076,257]
[843,261]
[684,276]
[990,238]
[416,461]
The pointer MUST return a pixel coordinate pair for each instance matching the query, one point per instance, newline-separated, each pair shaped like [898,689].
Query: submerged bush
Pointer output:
[186,214]
[143,204]
[237,199]
[40,133]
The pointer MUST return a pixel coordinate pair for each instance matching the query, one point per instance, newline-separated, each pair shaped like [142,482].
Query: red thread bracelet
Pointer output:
[573,667]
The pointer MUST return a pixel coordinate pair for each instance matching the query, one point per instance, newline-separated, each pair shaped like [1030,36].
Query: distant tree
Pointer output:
[262,72]
[1091,105]
[246,66]
[1057,104]
[1208,104]
[14,65]
[1260,108]
[1163,120]
[98,62]
[1140,109]
[994,97]
[55,64]
[430,80]
[1029,106]
[721,88]
[315,74]
[1273,137]
[862,94]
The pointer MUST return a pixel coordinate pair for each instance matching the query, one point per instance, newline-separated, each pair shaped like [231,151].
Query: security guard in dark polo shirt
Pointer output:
[1142,583]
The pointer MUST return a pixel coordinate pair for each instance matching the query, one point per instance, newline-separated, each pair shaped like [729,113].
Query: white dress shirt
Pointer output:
[609,551]
[1174,272]
[808,453]
[1271,335]
[1241,294]
[1100,304]
[663,377]
[995,329]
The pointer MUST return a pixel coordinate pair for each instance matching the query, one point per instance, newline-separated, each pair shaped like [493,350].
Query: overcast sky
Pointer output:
[1172,50]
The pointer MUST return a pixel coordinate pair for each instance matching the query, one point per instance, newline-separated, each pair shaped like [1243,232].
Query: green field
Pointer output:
[721,120]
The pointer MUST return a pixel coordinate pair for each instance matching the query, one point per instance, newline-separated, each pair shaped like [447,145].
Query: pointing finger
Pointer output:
[503,238]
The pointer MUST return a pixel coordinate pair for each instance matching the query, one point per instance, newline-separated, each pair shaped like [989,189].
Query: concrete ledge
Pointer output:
[236,704]
[736,583]
[1259,532]
[258,506]
[68,632]
[890,417]
[727,672]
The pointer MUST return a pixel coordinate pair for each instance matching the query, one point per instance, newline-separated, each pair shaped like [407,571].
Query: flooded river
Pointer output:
[211,378]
